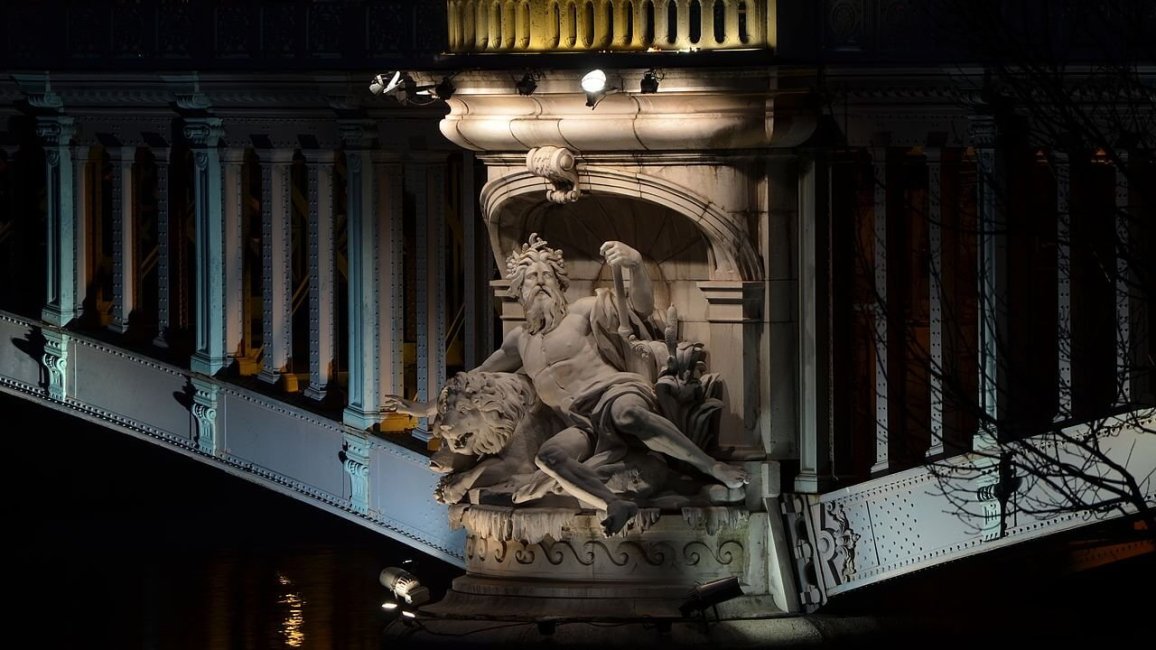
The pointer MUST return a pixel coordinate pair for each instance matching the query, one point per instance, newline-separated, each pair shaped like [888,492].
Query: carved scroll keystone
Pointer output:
[557,165]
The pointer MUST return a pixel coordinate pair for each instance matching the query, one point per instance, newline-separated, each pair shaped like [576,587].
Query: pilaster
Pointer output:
[62,303]
[233,212]
[813,342]
[276,249]
[164,286]
[882,353]
[124,237]
[935,299]
[425,181]
[1062,169]
[376,317]
[992,281]
[322,257]
[204,135]
[735,311]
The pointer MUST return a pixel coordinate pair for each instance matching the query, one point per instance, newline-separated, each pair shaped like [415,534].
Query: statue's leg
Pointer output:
[632,415]
[559,456]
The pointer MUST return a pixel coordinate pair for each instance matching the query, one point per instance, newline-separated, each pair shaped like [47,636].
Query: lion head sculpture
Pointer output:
[478,411]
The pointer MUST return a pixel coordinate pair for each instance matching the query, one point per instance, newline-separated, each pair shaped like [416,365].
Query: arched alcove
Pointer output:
[510,201]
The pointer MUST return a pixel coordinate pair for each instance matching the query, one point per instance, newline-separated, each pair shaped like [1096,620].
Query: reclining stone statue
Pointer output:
[595,364]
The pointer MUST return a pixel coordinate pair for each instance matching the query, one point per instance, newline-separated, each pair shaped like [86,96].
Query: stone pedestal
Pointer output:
[552,563]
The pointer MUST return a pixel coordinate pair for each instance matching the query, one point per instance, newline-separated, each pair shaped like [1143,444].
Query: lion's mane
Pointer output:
[502,399]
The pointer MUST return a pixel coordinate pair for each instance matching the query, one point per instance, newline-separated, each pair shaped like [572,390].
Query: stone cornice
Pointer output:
[722,110]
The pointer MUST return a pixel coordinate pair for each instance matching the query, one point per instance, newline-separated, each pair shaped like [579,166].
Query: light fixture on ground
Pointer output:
[710,594]
[404,585]
[594,85]
[649,83]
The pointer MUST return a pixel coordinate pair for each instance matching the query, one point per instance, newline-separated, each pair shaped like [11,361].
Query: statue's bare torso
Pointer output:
[564,362]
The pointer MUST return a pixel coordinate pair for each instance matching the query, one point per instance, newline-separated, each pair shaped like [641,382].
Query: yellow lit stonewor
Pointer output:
[614,25]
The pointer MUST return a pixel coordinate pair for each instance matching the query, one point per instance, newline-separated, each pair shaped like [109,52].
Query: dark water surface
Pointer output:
[115,543]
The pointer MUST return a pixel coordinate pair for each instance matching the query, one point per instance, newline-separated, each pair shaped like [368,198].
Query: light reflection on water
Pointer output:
[124,546]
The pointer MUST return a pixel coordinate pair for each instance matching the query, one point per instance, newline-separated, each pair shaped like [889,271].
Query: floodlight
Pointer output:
[385,83]
[649,83]
[404,585]
[594,81]
[594,85]
[527,84]
[401,86]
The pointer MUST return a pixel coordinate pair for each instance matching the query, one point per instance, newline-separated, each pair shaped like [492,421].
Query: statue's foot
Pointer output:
[618,513]
[729,475]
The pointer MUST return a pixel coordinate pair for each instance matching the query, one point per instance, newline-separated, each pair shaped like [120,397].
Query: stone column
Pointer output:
[425,180]
[234,211]
[478,328]
[1062,168]
[1125,362]
[935,299]
[782,359]
[204,134]
[124,237]
[882,439]
[735,311]
[374,201]
[65,278]
[164,281]
[992,282]
[814,339]
[276,249]
[322,257]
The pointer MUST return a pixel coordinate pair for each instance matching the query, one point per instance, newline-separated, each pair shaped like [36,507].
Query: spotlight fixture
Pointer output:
[401,86]
[594,85]
[404,585]
[385,82]
[649,83]
[528,83]
[710,594]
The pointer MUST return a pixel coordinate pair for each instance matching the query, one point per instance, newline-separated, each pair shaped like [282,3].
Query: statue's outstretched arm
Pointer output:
[504,359]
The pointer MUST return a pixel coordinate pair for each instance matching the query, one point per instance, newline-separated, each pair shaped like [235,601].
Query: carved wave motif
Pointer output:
[553,552]
[656,554]
[526,554]
[616,558]
[723,555]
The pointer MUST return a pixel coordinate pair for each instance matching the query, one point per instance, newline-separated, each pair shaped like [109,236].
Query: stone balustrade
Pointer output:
[616,25]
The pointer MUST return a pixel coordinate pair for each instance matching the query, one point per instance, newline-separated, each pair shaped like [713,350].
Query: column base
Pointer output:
[359,419]
[206,365]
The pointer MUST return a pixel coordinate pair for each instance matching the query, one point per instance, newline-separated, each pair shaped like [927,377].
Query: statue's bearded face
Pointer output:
[542,298]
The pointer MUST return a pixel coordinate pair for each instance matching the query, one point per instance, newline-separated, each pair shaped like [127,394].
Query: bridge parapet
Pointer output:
[966,505]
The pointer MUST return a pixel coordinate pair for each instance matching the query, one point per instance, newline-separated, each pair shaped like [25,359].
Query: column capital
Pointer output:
[204,131]
[56,131]
[319,156]
[357,134]
[982,131]
[233,155]
[277,155]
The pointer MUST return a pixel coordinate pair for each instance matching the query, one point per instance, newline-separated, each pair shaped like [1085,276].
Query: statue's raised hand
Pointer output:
[398,404]
[618,254]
